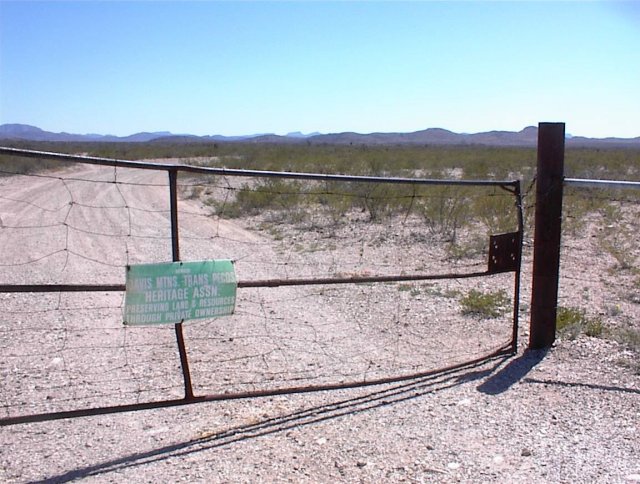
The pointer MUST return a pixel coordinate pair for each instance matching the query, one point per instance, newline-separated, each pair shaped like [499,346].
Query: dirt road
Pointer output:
[570,415]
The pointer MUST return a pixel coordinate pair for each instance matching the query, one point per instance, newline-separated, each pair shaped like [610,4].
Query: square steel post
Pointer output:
[546,243]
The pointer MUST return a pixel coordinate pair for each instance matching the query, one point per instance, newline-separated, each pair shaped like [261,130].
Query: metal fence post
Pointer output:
[175,250]
[546,244]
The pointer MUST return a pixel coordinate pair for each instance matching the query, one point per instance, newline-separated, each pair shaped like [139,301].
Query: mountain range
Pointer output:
[432,136]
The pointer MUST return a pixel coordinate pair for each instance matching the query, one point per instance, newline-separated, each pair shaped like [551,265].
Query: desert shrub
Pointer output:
[577,206]
[270,194]
[17,165]
[594,327]
[497,212]
[618,241]
[445,211]
[412,289]
[629,337]
[197,188]
[475,245]
[571,322]
[335,206]
[485,305]
[610,163]
[381,200]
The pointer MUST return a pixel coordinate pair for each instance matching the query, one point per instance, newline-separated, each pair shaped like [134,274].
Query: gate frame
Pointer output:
[503,258]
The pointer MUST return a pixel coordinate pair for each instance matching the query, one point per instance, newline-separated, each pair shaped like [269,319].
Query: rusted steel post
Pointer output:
[546,244]
[173,195]
[516,288]
[175,249]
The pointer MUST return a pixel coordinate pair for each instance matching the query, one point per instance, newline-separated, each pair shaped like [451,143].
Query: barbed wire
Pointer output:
[79,179]
[600,258]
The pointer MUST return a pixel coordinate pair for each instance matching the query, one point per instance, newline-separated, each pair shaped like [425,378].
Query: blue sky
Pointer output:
[242,67]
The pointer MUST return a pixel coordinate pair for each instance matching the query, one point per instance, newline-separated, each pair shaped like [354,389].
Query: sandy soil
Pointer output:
[566,415]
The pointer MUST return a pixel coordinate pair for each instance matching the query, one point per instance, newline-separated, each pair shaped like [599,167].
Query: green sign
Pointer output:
[178,291]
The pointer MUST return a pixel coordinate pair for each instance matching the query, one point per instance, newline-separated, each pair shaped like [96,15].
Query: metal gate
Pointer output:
[406,287]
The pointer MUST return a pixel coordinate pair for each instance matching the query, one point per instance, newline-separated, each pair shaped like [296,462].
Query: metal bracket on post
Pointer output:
[504,252]
[504,256]
[175,249]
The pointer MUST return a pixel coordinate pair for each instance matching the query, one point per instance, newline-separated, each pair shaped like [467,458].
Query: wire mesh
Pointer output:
[599,291]
[84,224]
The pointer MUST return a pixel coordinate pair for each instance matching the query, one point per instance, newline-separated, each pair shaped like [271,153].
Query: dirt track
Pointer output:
[568,416]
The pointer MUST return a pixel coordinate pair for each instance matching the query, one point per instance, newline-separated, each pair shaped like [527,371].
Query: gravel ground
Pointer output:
[567,415]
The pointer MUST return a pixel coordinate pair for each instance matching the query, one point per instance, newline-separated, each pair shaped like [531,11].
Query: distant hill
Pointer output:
[432,136]
[32,133]
[435,136]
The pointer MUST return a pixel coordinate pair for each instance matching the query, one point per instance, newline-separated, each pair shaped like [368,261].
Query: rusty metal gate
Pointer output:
[501,258]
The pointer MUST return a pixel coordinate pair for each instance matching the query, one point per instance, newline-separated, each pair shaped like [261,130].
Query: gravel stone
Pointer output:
[569,414]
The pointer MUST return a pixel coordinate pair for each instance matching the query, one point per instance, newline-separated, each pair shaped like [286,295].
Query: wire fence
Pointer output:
[410,252]
[599,290]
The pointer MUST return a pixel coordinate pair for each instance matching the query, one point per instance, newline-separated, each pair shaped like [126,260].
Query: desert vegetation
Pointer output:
[458,216]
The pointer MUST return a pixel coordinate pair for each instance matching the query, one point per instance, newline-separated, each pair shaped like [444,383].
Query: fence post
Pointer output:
[175,250]
[546,243]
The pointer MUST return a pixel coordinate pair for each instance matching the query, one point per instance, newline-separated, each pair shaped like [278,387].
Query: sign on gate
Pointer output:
[174,292]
